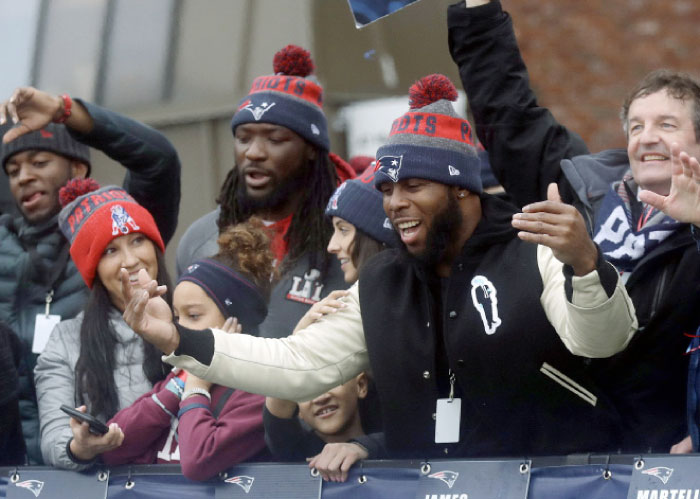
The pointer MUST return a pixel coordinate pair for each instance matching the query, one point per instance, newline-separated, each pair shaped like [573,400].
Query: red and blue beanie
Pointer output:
[358,202]
[292,98]
[92,217]
[430,141]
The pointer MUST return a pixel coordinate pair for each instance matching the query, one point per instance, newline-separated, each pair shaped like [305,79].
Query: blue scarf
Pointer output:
[624,241]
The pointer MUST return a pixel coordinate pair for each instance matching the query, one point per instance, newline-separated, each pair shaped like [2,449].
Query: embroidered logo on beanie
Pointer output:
[430,141]
[258,111]
[121,220]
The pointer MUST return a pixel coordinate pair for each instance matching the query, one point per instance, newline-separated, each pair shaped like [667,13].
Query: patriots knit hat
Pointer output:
[233,294]
[430,141]
[53,138]
[292,97]
[92,217]
[358,202]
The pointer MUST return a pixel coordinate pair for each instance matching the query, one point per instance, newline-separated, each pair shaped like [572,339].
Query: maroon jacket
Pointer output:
[204,445]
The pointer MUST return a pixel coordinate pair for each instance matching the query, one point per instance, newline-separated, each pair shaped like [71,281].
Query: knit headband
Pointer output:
[233,294]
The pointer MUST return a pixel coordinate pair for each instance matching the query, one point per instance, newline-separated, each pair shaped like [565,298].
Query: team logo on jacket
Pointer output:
[258,111]
[243,481]
[390,166]
[306,289]
[34,486]
[447,476]
[121,221]
[660,472]
[486,303]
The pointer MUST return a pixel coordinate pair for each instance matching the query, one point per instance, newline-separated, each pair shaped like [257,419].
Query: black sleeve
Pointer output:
[375,444]
[524,141]
[196,344]
[153,166]
[288,440]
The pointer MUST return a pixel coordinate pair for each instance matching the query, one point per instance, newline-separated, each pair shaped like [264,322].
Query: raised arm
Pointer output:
[524,141]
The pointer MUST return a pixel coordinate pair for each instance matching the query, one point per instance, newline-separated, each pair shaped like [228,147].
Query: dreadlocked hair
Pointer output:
[309,230]
[246,248]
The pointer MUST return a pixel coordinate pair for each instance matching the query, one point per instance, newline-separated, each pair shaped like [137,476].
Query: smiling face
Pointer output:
[341,244]
[133,252]
[272,162]
[335,416]
[35,177]
[654,122]
[194,309]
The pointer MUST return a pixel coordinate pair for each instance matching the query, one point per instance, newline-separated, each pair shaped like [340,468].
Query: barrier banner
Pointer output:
[269,481]
[28,483]
[674,476]
[591,481]
[464,479]
[374,483]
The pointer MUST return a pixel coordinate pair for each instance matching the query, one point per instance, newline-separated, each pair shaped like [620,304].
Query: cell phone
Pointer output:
[97,427]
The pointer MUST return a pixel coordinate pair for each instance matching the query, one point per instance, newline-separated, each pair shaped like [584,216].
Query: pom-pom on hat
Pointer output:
[358,202]
[92,217]
[291,97]
[430,141]
[53,138]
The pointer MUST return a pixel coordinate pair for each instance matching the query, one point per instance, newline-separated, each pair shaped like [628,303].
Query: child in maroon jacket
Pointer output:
[207,428]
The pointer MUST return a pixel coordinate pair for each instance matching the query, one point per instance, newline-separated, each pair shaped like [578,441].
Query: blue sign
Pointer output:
[269,481]
[367,11]
[508,479]
[27,483]
[674,476]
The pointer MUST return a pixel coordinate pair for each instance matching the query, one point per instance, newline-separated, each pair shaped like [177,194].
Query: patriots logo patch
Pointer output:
[243,481]
[333,201]
[390,166]
[121,220]
[34,486]
[449,477]
[660,472]
[258,111]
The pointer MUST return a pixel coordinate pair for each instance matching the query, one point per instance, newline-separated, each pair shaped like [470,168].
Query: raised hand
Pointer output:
[336,459]
[30,109]
[561,227]
[329,305]
[683,200]
[147,313]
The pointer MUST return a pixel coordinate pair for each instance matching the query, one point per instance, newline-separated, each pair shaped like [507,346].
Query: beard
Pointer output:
[284,189]
[442,233]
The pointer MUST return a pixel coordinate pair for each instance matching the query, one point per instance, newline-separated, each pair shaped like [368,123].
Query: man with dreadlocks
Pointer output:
[283,174]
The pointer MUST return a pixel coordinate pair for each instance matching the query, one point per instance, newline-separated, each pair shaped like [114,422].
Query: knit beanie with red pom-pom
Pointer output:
[292,97]
[92,217]
[430,141]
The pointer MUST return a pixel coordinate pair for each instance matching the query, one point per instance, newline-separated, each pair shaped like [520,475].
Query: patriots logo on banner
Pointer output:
[449,477]
[34,486]
[333,201]
[390,166]
[243,481]
[258,111]
[120,220]
[660,472]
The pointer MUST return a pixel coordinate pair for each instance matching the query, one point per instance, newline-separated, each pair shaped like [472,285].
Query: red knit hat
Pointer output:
[92,217]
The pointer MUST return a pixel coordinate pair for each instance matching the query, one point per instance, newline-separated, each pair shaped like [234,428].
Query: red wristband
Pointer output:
[67,106]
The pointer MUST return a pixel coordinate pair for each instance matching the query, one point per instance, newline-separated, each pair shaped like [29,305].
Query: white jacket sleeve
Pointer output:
[300,367]
[592,324]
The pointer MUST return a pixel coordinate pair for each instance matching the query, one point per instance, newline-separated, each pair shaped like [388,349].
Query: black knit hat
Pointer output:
[53,138]
[358,202]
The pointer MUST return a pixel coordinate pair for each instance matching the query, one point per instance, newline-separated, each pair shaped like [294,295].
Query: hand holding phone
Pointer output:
[96,426]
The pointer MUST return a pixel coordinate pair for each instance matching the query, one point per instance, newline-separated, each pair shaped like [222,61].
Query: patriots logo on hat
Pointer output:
[449,477]
[333,201]
[120,220]
[45,133]
[660,472]
[34,486]
[258,111]
[192,267]
[390,166]
[453,171]
[243,481]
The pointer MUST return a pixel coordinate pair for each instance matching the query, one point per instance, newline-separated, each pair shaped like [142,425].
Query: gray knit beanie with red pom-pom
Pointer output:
[292,97]
[430,141]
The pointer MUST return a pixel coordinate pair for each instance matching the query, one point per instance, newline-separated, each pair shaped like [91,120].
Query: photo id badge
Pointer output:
[42,330]
[447,418]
